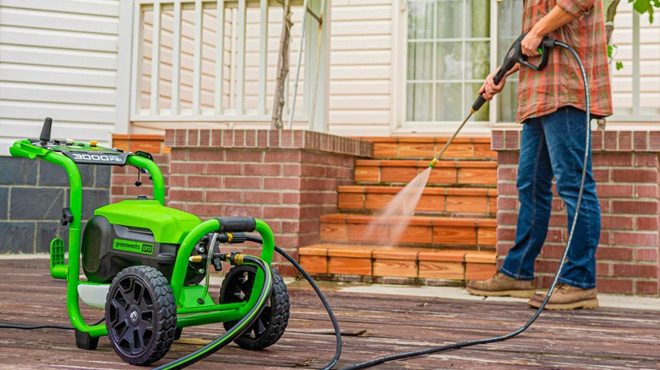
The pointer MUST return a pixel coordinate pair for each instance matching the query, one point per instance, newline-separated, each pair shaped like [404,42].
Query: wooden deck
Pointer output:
[377,325]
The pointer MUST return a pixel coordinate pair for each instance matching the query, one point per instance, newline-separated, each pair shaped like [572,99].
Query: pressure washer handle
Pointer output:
[515,56]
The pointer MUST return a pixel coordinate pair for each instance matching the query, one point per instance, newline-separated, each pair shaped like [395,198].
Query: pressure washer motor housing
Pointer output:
[151,236]
[145,263]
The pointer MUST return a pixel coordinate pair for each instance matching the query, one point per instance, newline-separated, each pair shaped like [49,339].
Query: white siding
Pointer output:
[58,59]
[361,67]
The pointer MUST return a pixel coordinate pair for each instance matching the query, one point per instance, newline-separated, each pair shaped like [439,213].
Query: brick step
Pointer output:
[447,173]
[427,147]
[420,263]
[477,202]
[468,233]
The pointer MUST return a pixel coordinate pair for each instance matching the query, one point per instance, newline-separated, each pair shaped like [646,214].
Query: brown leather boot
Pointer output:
[566,297]
[501,285]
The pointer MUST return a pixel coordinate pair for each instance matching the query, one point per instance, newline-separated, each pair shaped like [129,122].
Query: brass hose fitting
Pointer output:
[197,258]
[236,258]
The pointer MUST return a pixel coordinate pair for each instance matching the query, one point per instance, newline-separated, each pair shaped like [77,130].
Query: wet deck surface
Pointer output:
[597,339]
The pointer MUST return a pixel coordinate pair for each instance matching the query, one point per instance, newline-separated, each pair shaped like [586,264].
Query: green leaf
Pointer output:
[645,6]
[619,65]
[609,50]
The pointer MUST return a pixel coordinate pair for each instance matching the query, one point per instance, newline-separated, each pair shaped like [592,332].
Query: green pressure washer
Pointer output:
[144,263]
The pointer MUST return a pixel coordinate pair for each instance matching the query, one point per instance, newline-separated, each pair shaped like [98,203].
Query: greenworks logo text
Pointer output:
[133,246]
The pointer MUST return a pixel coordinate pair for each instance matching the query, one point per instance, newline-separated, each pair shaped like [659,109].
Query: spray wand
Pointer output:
[513,57]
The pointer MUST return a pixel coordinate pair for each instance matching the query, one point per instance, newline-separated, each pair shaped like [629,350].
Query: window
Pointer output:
[448,57]
[449,54]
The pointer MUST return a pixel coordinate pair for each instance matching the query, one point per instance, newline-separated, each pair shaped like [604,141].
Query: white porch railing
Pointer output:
[216,61]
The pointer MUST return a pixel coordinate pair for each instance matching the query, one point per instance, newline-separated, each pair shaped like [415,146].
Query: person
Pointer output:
[551,106]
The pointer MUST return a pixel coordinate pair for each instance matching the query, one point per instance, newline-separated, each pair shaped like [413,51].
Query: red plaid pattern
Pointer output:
[560,83]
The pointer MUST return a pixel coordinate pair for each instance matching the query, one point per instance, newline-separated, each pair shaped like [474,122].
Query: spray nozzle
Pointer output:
[433,162]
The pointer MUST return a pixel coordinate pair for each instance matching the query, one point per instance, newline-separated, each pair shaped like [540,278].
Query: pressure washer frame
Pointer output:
[185,297]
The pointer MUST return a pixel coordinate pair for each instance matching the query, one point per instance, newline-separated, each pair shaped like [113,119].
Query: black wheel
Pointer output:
[140,315]
[269,327]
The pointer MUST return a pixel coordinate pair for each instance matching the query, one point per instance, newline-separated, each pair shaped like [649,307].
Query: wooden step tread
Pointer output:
[414,220]
[476,233]
[434,200]
[422,163]
[423,139]
[428,147]
[398,262]
[426,254]
[429,191]
[470,173]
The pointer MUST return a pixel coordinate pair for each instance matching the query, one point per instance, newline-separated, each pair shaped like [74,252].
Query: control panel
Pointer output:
[84,153]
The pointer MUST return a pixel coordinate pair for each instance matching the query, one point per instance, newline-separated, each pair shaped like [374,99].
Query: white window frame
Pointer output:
[400,80]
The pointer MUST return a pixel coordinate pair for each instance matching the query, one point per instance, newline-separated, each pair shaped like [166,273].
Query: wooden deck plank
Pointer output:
[597,339]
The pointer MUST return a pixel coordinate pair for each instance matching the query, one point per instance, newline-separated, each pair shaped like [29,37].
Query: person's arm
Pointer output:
[564,12]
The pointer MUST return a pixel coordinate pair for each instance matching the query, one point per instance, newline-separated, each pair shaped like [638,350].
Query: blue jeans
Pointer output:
[554,145]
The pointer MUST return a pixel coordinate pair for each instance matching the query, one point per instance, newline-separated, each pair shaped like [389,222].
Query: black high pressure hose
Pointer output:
[318,291]
[381,360]
[35,327]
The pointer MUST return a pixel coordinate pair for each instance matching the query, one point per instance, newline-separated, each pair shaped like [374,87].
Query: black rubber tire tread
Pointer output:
[279,316]
[165,307]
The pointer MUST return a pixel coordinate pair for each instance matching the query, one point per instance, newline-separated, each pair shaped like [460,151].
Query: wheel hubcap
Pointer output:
[131,322]
[239,290]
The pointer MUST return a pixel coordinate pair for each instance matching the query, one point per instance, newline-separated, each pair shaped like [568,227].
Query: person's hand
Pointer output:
[530,44]
[489,89]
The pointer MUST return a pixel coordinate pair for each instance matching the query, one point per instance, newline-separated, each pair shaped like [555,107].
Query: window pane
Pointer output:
[420,20]
[478,18]
[420,102]
[477,60]
[449,61]
[509,25]
[420,61]
[450,19]
[448,102]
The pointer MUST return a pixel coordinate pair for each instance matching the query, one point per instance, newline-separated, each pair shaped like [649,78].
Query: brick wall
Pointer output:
[627,171]
[32,195]
[287,178]
[124,178]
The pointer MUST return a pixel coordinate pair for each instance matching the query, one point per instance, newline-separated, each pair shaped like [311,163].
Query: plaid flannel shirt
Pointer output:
[560,83]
